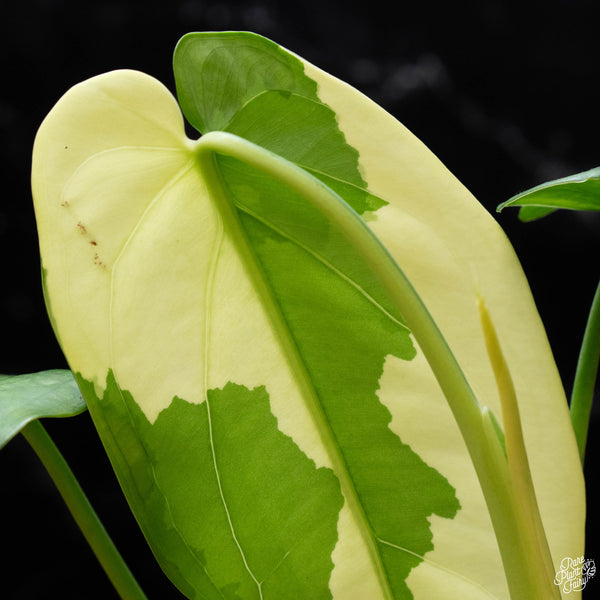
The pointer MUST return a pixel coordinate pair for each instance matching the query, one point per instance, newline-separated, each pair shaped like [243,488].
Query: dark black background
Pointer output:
[503,92]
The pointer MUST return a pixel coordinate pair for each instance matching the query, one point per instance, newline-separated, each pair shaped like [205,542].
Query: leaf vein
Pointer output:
[209,295]
[327,264]
[438,566]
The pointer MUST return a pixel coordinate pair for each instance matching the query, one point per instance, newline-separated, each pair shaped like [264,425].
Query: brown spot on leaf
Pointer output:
[98,262]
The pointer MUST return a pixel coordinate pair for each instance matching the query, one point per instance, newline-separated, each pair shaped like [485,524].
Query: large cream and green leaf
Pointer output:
[273,423]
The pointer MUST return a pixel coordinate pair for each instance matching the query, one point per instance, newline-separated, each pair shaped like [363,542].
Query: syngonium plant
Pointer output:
[311,355]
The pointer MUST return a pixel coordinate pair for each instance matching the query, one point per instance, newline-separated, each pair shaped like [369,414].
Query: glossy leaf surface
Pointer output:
[580,191]
[272,421]
[24,398]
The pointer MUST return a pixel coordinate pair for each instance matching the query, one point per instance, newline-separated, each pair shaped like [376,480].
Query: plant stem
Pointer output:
[520,484]
[83,513]
[482,442]
[585,376]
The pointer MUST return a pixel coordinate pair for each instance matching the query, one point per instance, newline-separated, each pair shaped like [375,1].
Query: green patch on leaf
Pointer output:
[24,398]
[233,508]
[261,93]
[343,326]
[305,132]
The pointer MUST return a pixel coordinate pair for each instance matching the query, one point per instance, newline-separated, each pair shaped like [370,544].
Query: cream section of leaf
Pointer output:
[421,416]
[97,215]
[422,419]
[245,348]
[257,356]
[419,410]
[353,576]
[157,316]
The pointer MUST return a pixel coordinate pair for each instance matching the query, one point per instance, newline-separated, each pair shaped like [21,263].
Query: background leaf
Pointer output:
[580,191]
[216,78]
[24,398]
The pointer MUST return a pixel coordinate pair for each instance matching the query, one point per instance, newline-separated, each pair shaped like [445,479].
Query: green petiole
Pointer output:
[585,376]
[83,513]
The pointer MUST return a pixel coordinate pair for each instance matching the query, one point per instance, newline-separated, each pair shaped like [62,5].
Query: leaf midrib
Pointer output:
[292,353]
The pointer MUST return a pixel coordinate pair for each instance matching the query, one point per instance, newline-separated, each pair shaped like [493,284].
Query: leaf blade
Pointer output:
[128,284]
[451,250]
[416,227]
[208,93]
[344,363]
[24,398]
[580,191]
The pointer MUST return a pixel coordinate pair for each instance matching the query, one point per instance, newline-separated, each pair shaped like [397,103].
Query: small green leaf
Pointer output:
[216,77]
[580,191]
[532,213]
[24,398]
